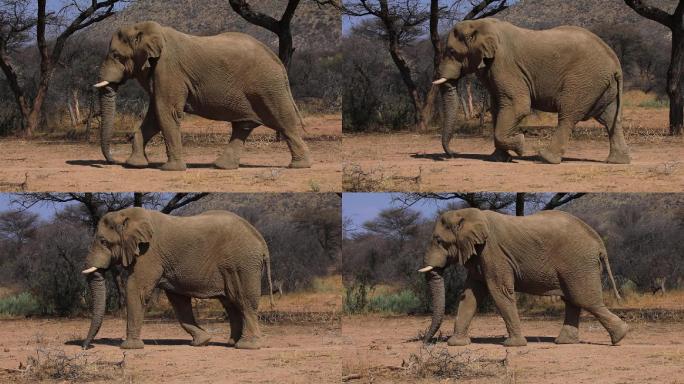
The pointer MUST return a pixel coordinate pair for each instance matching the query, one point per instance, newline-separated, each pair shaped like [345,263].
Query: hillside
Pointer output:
[590,14]
[313,27]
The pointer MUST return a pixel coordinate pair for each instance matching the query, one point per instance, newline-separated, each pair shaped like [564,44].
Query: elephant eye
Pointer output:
[104,242]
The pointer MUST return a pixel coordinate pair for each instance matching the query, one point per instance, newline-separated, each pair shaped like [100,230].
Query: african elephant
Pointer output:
[548,253]
[565,70]
[230,77]
[216,254]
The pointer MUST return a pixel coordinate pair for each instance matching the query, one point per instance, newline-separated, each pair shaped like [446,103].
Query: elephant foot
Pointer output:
[550,157]
[458,341]
[516,341]
[568,335]
[231,342]
[227,160]
[174,165]
[619,333]
[248,343]
[137,161]
[304,162]
[200,340]
[617,157]
[500,156]
[132,344]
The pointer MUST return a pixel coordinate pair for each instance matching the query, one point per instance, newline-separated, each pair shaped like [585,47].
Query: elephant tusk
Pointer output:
[101,84]
[440,81]
[89,270]
[426,269]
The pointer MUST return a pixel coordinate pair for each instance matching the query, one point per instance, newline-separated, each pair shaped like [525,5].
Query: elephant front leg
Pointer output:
[135,311]
[473,293]
[507,120]
[169,115]
[569,333]
[148,129]
[182,305]
[503,293]
[230,159]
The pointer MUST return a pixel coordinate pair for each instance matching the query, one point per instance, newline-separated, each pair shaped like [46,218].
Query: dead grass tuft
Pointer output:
[49,364]
[356,179]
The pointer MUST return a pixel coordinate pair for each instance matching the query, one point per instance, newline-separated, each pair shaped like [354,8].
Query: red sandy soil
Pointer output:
[416,162]
[375,347]
[301,344]
[61,166]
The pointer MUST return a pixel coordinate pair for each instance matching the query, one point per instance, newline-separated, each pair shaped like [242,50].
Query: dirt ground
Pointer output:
[63,166]
[416,162]
[385,350]
[301,344]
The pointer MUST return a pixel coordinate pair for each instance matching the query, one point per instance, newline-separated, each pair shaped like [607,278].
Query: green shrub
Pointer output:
[356,297]
[23,304]
[401,302]
[655,103]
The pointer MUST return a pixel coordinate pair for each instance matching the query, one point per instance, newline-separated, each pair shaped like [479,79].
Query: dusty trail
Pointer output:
[411,162]
[653,352]
[77,167]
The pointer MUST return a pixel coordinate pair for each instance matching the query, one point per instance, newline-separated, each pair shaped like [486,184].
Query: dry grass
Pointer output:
[51,365]
[431,363]
[356,179]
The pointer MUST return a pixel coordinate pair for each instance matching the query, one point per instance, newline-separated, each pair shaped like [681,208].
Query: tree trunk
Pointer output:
[520,204]
[674,83]
[469,90]
[77,106]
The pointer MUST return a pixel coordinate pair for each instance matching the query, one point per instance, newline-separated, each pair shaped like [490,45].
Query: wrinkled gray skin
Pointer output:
[565,70]
[548,253]
[229,77]
[213,255]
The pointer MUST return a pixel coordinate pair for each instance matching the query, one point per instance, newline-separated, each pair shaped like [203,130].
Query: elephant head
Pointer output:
[120,238]
[456,238]
[470,46]
[133,52]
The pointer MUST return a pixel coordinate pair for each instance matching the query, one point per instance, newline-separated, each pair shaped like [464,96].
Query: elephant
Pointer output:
[547,253]
[229,77]
[565,70]
[216,254]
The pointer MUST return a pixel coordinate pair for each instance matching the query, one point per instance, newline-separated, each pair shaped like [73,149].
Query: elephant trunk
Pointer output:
[98,292]
[450,108]
[108,109]
[436,284]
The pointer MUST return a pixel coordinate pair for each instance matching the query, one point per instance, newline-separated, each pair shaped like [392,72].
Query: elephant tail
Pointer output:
[267,260]
[604,256]
[618,110]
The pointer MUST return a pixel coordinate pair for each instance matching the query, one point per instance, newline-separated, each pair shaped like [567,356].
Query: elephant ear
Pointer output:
[136,233]
[148,44]
[470,229]
[482,45]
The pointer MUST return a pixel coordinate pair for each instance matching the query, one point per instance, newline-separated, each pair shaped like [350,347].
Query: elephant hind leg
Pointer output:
[243,290]
[611,119]
[553,154]
[183,308]
[230,158]
[235,320]
[569,333]
[616,327]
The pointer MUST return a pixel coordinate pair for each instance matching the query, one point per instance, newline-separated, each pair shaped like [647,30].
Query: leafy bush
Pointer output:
[401,302]
[356,298]
[23,304]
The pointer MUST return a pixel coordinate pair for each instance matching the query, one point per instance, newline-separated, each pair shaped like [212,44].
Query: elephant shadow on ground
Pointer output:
[115,342]
[487,158]
[498,340]
[103,163]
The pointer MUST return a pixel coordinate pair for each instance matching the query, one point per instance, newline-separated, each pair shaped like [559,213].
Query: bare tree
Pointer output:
[675,73]
[17,21]
[281,27]
[492,200]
